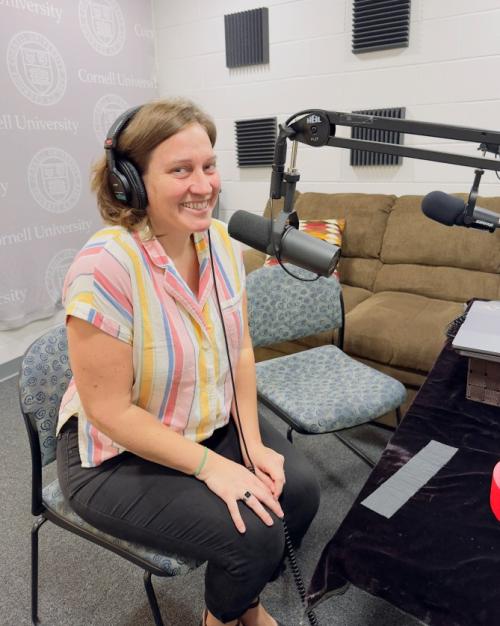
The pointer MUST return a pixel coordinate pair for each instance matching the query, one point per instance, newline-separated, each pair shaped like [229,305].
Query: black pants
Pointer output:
[137,500]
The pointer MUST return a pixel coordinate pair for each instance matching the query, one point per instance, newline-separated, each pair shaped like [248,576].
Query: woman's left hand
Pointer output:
[269,467]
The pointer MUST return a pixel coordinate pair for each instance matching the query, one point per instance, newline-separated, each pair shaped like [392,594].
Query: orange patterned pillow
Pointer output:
[329,230]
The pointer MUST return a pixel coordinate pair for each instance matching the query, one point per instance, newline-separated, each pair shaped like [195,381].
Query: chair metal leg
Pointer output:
[289,434]
[153,603]
[356,450]
[34,567]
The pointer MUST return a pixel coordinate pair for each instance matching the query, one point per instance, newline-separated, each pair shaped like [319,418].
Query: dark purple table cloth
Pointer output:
[438,557]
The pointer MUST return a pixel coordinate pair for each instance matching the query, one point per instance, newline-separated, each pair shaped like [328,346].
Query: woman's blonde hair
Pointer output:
[153,123]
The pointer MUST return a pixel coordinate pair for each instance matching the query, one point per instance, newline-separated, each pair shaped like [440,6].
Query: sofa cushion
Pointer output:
[359,272]
[408,376]
[399,329]
[443,283]
[425,257]
[366,216]
[353,296]
[411,237]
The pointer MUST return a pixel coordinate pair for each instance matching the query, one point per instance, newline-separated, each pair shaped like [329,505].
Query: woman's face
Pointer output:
[182,183]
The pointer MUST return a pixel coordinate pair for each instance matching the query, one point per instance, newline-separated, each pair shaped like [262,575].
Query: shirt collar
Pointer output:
[158,257]
[152,247]
[157,254]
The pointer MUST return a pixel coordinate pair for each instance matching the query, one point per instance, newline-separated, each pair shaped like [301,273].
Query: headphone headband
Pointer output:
[124,180]
[118,125]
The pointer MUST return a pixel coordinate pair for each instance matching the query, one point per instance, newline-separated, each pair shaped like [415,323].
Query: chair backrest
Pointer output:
[282,308]
[44,377]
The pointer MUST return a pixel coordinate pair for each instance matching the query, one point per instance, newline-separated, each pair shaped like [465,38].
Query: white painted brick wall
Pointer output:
[448,74]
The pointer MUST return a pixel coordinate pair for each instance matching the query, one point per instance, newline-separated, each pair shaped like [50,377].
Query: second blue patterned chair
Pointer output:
[319,390]
[43,379]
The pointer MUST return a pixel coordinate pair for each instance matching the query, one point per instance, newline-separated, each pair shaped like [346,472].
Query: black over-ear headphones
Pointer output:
[124,179]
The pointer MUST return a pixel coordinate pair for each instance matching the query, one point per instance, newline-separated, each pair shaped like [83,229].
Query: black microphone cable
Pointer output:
[297,576]
[278,252]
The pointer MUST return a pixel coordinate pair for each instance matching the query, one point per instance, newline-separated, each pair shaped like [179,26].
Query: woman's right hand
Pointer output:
[231,481]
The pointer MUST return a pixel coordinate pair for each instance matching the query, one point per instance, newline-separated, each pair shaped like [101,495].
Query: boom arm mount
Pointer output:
[316,127]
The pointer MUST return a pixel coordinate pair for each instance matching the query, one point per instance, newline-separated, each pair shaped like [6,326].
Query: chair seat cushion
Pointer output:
[169,564]
[323,389]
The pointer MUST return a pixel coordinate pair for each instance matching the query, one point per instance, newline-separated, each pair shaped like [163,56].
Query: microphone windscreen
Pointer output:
[443,208]
[253,230]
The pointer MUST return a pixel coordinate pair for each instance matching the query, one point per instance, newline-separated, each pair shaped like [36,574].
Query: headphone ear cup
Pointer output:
[137,196]
[119,186]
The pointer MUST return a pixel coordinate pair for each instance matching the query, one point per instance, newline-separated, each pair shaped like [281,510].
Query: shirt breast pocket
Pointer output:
[233,320]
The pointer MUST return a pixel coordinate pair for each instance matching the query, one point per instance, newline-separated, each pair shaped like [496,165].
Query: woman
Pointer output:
[150,446]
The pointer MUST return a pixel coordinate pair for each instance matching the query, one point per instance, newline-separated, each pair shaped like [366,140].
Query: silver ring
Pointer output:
[247,495]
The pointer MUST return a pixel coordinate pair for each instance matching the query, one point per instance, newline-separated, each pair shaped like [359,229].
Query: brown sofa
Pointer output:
[404,278]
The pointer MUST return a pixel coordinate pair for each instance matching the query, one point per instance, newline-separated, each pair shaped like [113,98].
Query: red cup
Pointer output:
[495,492]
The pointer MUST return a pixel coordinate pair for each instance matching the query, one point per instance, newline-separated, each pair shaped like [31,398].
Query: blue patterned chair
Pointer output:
[320,390]
[43,379]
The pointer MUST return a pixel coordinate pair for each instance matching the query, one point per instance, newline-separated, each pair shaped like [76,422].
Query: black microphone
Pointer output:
[295,246]
[452,211]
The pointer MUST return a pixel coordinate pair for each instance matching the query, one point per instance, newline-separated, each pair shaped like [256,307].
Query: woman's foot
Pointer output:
[257,615]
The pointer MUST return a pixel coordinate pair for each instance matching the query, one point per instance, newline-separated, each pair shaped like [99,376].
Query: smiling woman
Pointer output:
[152,447]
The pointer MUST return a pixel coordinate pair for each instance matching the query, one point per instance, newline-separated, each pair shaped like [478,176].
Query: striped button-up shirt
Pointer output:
[124,284]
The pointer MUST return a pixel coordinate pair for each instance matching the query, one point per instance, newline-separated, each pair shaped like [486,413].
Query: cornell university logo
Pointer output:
[54,180]
[103,25]
[106,111]
[36,68]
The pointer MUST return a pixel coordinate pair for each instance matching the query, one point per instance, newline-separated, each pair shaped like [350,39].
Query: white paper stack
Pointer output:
[479,335]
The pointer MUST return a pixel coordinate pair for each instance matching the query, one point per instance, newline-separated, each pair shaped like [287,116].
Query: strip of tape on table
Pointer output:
[412,476]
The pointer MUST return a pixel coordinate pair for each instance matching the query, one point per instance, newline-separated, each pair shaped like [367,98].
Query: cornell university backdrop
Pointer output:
[67,70]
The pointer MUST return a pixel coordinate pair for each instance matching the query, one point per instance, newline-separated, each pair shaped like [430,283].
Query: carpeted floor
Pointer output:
[83,585]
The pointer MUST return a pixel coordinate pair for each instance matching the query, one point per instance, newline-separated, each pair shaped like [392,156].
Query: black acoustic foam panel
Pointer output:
[362,157]
[380,24]
[247,37]
[255,141]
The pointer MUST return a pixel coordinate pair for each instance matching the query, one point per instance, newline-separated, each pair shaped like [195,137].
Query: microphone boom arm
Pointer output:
[317,128]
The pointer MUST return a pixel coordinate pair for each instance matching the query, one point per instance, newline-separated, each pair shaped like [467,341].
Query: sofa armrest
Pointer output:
[253,259]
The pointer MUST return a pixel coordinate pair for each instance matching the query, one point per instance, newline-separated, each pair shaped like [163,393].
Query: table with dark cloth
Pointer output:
[438,556]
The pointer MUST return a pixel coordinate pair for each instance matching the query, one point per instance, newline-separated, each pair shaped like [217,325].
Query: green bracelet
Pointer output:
[202,462]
